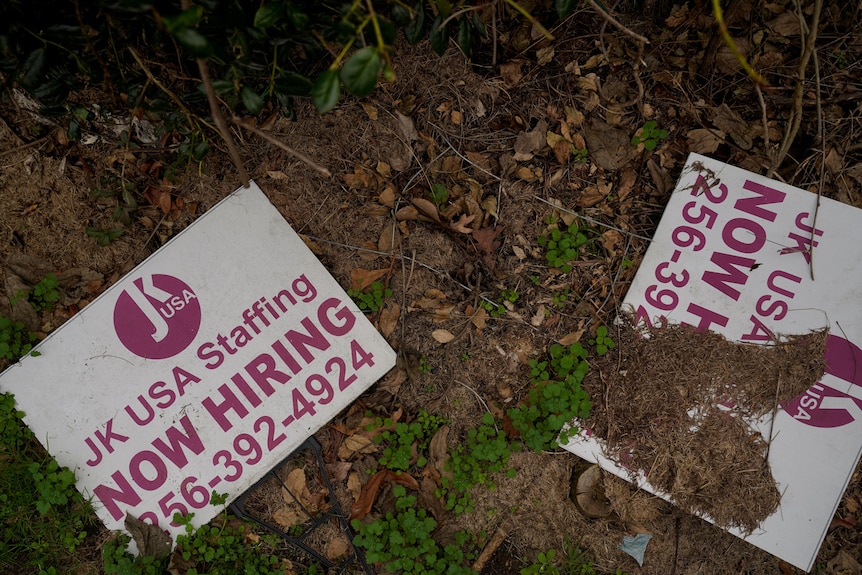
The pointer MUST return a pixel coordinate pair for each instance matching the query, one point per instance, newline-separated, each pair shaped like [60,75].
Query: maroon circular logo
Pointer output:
[158,317]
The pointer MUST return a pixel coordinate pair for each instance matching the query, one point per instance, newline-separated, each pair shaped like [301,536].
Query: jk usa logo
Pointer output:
[836,400]
[157,317]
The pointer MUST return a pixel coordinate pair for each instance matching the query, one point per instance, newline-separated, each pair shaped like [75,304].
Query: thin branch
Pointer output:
[616,23]
[220,122]
[272,140]
[796,113]
[161,86]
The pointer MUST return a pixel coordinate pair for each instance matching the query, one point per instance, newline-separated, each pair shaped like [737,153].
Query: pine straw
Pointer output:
[675,403]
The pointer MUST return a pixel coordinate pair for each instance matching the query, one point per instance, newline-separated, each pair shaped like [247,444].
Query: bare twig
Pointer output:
[764,118]
[32,144]
[616,23]
[218,117]
[272,140]
[158,83]
[495,542]
[822,143]
[796,112]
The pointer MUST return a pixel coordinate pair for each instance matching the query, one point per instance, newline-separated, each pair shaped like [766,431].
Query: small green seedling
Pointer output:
[424,365]
[370,301]
[439,194]
[544,565]
[493,308]
[104,236]
[602,341]
[560,297]
[510,295]
[45,294]
[55,485]
[484,452]
[402,541]
[650,135]
[407,441]
[562,246]
[555,399]
[16,340]
[581,155]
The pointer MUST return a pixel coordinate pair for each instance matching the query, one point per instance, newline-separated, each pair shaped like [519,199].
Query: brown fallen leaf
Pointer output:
[529,142]
[389,239]
[289,515]
[337,547]
[361,279]
[338,470]
[389,319]
[438,451]
[461,224]
[355,444]
[151,540]
[704,140]
[427,208]
[365,501]
[486,240]
[442,336]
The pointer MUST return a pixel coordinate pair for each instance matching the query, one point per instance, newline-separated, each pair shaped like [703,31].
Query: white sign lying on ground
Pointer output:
[734,253]
[200,370]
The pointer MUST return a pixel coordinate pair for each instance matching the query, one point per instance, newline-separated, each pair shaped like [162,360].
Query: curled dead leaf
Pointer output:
[426,208]
[355,444]
[442,336]
[337,547]
[361,279]
[389,319]
[368,495]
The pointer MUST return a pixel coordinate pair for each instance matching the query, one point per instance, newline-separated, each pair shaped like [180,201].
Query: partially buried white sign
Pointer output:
[746,256]
[200,370]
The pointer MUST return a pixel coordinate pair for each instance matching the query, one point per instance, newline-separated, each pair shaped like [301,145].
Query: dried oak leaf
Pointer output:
[486,239]
[150,539]
[360,279]
[365,501]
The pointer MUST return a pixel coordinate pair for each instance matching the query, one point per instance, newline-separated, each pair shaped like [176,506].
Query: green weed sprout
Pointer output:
[650,135]
[372,300]
[562,246]
[555,399]
[602,341]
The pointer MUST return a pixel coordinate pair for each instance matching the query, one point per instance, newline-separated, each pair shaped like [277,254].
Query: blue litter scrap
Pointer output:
[636,546]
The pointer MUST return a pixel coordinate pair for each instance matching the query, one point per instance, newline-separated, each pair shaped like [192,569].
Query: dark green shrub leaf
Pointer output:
[416,28]
[400,15]
[360,72]
[267,15]
[131,5]
[439,36]
[326,91]
[292,84]
[220,87]
[297,17]
[387,31]
[444,7]
[186,19]
[74,131]
[564,7]
[34,64]
[479,25]
[251,100]
[200,150]
[193,41]
[465,35]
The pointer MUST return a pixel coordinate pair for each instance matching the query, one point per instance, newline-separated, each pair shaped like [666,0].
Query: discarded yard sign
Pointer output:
[735,253]
[200,370]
